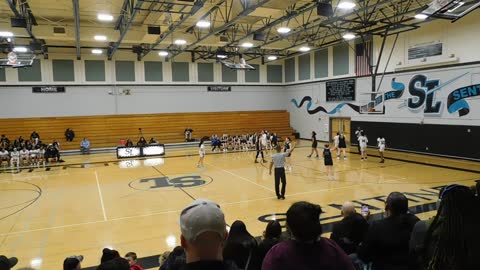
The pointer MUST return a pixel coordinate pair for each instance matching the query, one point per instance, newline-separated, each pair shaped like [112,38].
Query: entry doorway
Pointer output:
[341,125]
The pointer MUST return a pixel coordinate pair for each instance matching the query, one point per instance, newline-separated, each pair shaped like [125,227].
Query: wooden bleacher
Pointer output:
[108,130]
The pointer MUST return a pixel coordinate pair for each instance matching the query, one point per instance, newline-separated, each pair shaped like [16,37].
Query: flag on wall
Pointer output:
[363,57]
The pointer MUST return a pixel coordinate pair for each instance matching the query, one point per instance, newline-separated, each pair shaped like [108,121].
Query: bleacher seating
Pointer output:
[108,130]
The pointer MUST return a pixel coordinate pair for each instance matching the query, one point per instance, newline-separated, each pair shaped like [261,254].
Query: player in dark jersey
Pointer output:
[314,144]
[328,161]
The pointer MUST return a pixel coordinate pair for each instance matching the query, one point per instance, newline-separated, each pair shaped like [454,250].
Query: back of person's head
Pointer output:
[303,221]
[314,133]
[326,146]
[131,255]
[396,204]
[204,230]
[7,263]
[455,228]
[109,254]
[115,264]
[72,263]
[273,230]
[239,233]
[348,209]
[278,148]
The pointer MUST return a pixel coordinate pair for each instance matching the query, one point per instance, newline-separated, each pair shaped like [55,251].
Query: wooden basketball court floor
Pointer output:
[95,201]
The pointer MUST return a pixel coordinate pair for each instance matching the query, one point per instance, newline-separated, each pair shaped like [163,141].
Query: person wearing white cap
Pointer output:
[204,232]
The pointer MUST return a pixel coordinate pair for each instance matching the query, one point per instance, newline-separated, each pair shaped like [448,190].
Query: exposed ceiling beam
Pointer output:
[172,28]
[76,16]
[249,9]
[24,13]
[127,15]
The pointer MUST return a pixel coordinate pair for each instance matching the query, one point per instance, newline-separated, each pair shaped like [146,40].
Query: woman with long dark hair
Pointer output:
[314,144]
[239,245]
[452,240]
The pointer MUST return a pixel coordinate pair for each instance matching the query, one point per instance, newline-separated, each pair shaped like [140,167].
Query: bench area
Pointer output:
[107,130]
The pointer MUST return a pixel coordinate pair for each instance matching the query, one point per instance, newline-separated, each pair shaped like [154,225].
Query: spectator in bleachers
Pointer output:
[85,146]
[115,264]
[7,263]
[387,240]
[240,245]
[21,140]
[271,237]
[132,260]
[203,228]
[142,142]
[349,232]
[69,135]
[307,249]
[34,137]
[24,156]
[4,139]
[17,144]
[28,145]
[216,143]
[152,141]
[109,254]
[129,143]
[175,260]
[450,239]
[73,263]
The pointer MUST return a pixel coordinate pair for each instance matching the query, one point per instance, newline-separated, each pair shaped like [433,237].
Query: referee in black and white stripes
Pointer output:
[278,160]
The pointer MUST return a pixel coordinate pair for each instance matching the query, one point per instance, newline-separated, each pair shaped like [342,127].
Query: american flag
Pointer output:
[363,57]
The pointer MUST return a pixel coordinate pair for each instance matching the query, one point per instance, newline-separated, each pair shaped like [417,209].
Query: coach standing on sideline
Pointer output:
[278,160]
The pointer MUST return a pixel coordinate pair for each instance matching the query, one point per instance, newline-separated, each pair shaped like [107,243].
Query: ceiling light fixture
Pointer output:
[283,30]
[97,51]
[247,45]
[272,58]
[6,34]
[105,17]
[100,38]
[163,53]
[20,49]
[221,56]
[203,24]
[304,49]
[348,36]
[421,16]
[346,5]
[180,42]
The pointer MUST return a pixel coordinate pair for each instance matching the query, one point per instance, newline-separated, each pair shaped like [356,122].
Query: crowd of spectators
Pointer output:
[396,241]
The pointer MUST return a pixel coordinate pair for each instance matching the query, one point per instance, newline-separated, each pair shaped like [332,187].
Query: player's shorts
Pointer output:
[24,157]
[336,145]
[201,154]
[363,148]
[381,148]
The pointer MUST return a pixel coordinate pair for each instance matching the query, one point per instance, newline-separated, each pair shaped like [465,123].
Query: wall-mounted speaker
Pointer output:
[259,36]
[153,30]
[324,9]
[18,22]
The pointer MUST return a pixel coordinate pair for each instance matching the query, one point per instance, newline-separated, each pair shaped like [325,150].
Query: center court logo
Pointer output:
[168,183]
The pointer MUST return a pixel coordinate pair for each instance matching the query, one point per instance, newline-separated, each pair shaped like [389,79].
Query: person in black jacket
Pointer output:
[271,237]
[239,246]
[386,245]
[69,135]
[351,230]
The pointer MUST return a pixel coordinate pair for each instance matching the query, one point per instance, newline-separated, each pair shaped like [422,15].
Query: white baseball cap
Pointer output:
[201,216]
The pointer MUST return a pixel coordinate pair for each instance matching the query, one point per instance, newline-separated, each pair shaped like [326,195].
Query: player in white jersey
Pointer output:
[15,158]
[381,147]
[336,141]
[201,153]
[41,155]
[263,139]
[4,156]
[33,156]
[362,142]
[24,156]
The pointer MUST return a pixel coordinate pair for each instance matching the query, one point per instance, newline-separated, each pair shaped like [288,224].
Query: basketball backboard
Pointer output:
[17,61]
[451,9]
[242,65]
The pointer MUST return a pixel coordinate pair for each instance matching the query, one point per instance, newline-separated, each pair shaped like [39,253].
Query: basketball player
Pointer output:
[381,147]
[362,141]
[342,145]
[15,158]
[278,161]
[41,155]
[336,141]
[263,138]
[24,155]
[314,144]
[201,152]
[260,147]
[286,149]
[328,162]
[358,133]
[34,155]
[4,156]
